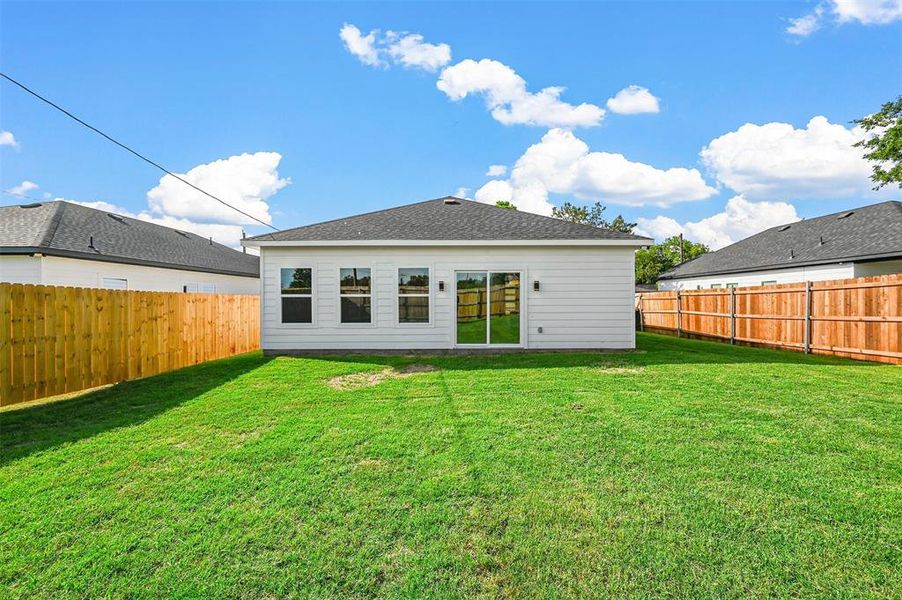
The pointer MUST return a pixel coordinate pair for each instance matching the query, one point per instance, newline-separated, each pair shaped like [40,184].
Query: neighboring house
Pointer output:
[61,243]
[446,274]
[852,243]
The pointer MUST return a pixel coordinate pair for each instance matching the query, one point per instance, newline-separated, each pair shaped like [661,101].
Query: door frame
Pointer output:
[523,307]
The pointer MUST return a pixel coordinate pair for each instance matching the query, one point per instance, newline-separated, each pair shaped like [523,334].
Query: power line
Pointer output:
[136,153]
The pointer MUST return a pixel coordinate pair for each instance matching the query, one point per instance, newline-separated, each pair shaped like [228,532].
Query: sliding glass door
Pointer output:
[488,308]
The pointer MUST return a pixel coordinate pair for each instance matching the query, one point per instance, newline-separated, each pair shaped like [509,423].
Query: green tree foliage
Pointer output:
[591,215]
[884,146]
[654,260]
[505,204]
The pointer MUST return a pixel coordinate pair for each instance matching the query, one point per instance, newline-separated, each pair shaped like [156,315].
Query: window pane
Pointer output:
[297,310]
[504,309]
[355,281]
[413,281]
[472,307]
[297,281]
[413,309]
[355,309]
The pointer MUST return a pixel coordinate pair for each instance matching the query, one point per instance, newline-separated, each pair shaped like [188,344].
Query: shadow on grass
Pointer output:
[652,349]
[32,429]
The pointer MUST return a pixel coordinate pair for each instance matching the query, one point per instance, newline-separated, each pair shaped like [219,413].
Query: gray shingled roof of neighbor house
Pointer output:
[65,229]
[444,219]
[868,233]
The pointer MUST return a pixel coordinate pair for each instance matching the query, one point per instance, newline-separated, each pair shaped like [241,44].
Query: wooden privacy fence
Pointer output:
[857,318]
[55,340]
[472,304]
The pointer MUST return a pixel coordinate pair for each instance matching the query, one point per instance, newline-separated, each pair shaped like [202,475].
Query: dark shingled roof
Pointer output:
[65,229]
[866,233]
[446,219]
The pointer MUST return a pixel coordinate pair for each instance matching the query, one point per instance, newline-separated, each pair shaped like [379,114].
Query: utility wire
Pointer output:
[138,154]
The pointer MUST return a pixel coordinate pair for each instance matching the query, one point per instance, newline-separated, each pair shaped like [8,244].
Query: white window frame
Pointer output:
[769,282]
[716,286]
[197,287]
[398,295]
[371,296]
[104,279]
[312,296]
[731,285]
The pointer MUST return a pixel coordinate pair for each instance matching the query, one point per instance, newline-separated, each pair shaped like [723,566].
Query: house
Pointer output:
[61,243]
[852,243]
[446,274]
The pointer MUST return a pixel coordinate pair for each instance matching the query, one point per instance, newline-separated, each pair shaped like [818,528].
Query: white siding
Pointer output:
[883,267]
[20,269]
[795,275]
[585,301]
[53,270]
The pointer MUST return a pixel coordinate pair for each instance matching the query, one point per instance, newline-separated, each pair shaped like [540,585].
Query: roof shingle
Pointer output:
[873,231]
[446,219]
[67,229]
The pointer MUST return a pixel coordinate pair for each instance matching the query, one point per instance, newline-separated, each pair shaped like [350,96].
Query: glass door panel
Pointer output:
[504,314]
[472,307]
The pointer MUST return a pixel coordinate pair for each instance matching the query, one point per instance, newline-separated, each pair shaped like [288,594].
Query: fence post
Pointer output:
[641,313]
[679,315]
[807,317]
[732,316]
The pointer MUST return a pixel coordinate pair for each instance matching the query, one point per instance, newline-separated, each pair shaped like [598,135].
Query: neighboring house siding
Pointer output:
[53,270]
[794,275]
[585,300]
[20,269]
[883,267]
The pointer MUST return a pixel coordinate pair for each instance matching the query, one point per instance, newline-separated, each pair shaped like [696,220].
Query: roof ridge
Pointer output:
[52,223]
[366,214]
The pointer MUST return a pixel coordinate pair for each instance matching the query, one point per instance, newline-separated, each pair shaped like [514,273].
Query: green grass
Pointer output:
[504,330]
[687,469]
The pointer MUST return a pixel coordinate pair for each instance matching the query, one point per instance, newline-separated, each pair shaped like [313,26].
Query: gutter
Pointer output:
[810,263]
[32,250]
[257,243]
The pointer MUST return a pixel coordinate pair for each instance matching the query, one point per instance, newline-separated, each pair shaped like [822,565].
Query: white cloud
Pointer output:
[739,219]
[865,12]
[633,100]
[245,181]
[361,46]
[411,51]
[23,188]
[806,24]
[8,139]
[776,160]
[509,101]
[461,192]
[561,163]
[101,205]
[496,171]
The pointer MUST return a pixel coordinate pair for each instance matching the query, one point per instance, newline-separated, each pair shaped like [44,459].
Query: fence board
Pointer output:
[61,339]
[856,318]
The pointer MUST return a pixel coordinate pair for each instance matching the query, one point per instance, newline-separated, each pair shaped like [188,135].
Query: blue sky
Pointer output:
[197,85]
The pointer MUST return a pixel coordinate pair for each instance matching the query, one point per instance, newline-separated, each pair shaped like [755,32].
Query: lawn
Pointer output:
[687,468]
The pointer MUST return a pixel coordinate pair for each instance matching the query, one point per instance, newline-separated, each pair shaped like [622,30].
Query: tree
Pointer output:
[658,258]
[505,204]
[591,215]
[884,147]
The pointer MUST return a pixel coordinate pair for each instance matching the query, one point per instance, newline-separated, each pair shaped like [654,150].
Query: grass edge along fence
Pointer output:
[55,340]
[857,318]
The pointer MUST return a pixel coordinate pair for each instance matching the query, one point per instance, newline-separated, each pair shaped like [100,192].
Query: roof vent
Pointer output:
[844,215]
[119,218]
[451,200]
[784,228]
[181,233]
[32,205]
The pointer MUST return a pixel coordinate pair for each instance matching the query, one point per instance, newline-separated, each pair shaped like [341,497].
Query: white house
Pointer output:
[61,243]
[446,274]
[852,243]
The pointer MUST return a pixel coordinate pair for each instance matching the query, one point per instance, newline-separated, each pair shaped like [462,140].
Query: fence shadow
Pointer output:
[31,429]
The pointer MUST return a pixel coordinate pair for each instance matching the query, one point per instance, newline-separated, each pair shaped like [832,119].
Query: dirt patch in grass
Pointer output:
[355,381]
[616,367]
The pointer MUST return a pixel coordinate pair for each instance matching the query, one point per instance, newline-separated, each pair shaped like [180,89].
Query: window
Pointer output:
[115,283]
[355,295]
[716,286]
[297,295]
[199,288]
[769,282]
[413,295]
[732,285]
